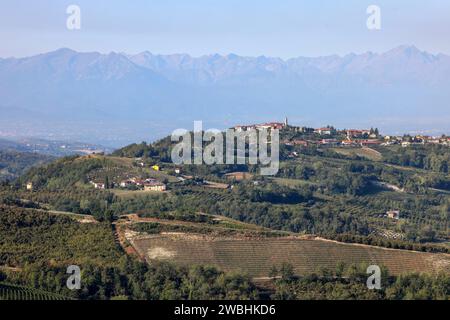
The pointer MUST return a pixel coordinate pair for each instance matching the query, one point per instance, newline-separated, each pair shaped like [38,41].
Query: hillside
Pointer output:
[14,164]
[320,213]
[234,246]
[14,292]
[258,256]
[320,191]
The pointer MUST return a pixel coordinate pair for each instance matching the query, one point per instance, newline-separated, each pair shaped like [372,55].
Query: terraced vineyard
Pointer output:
[256,256]
[13,292]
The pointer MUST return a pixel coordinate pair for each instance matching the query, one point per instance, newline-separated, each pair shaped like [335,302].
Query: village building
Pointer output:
[329,142]
[406,144]
[271,126]
[434,141]
[323,131]
[348,143]
[30,186]
[355,133]
[267,126]
[299,142]
[370,142]
[139,182]
[241,128]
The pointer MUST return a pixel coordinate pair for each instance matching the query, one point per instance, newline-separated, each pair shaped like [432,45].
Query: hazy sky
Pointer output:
[284,28]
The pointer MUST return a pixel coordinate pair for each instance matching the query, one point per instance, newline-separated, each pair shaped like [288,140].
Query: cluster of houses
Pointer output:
[347,137]
[334,142]
[419,139]
[144,184]
[363,138]
[267,126]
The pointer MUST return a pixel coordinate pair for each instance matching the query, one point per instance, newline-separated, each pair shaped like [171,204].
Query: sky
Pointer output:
[281,28]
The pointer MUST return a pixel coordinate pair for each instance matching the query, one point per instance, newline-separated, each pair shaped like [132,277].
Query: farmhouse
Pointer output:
[126,183]
[299,142]
[138,182]
[98,185]
[155,186]
[393,214]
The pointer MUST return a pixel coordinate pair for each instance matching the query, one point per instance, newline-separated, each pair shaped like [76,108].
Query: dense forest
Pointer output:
[348,282]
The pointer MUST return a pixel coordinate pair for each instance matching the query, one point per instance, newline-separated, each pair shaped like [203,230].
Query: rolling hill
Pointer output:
[254,252]
[13,164]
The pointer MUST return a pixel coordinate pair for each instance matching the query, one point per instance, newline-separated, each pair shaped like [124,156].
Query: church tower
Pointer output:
[286,122]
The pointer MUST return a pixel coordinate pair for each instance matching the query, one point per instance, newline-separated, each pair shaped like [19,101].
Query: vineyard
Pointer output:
[367,153]
[211,194]
[257,256]
[13,292]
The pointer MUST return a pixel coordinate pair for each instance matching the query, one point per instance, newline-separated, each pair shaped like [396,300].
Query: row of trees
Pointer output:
[429,157]
[349,282]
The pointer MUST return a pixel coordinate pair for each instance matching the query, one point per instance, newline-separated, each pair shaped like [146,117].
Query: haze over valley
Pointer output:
[118,98]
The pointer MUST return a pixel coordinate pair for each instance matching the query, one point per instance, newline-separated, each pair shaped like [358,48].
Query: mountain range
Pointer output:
[117,98]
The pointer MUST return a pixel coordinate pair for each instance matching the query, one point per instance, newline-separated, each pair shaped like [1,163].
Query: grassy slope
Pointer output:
[255,254]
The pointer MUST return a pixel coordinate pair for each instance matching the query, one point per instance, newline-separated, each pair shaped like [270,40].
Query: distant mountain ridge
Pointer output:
[402,89]
[214,68]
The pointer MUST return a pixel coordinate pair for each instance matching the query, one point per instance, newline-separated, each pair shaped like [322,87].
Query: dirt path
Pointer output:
[82,218]
[12,269]
[376,153]
[119,237]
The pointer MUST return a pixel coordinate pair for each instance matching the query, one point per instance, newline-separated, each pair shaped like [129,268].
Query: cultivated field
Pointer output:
[126,194]
[256,256]
[367,153]
[14,292]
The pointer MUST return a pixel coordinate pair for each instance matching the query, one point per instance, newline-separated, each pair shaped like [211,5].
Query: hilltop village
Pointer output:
[330,136]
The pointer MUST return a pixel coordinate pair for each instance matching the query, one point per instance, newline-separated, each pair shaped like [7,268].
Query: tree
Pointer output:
[287,272]
[273,273]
